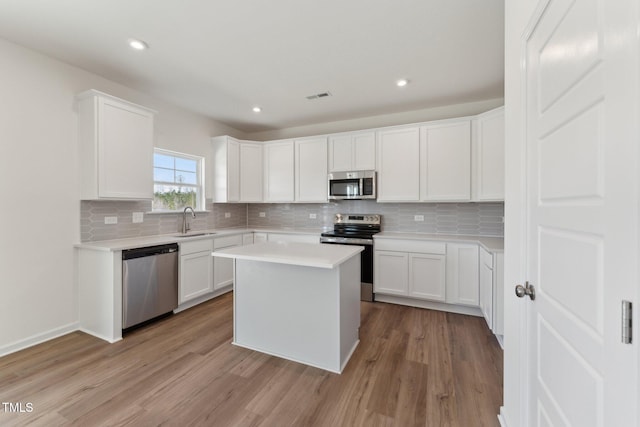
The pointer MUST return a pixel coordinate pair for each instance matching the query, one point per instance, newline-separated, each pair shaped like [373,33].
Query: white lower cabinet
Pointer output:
[223,267]
[259,237]
[410,268]
[462,274]
[247,239]
[491,290]
[196,269]
[427,276]
[486,286]
[391,275]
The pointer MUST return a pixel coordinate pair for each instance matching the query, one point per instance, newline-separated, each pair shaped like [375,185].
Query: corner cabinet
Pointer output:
[462,274]
[226,169]
[237,170]
[115,148]
[488,156]
[492,289]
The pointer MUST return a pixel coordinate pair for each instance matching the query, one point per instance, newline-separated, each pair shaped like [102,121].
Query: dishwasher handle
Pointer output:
[149,251]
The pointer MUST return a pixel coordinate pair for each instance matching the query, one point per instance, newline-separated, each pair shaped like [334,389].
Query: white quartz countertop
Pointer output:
[491,244]
[293,253]
[143,241]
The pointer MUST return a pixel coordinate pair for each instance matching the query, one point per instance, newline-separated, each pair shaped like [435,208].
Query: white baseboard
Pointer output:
[203,298]
[38,338]
[431,305]
[501,419]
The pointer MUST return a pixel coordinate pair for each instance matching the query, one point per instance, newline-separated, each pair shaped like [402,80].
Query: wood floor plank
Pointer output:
[413,367]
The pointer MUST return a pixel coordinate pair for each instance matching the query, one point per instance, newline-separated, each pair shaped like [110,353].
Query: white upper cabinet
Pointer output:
[279,171]
[226,169]
[352,151]
[311,170]
[250,172]
[237,170]
[445,162]
[399,165]
[115,148]
[488,156]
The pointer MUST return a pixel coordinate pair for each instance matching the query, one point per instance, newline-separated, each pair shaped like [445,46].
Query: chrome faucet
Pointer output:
[185,225]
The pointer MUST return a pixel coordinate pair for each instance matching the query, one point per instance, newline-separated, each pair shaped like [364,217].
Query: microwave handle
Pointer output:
[361,186]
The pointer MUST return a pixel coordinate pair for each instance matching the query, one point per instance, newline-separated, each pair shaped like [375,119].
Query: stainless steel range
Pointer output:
[357,229]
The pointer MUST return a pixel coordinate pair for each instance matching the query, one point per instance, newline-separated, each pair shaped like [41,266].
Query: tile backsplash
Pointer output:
[93,213]
[480,219]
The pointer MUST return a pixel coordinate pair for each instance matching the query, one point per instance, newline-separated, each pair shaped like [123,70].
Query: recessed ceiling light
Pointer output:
[402,82]
[257,109]
[138,44]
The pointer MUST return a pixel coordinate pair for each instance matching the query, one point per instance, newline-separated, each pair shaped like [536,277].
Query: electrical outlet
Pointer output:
[262,214]
[418,217]
[138,217]
[227,214]
[110,219]
[313,216]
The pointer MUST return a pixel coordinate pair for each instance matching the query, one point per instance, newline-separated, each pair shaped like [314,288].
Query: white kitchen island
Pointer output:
[298,301]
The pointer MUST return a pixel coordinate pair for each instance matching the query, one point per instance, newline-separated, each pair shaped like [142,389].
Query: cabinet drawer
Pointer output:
[225,242]
[486,258]
[417,246]
[194,246]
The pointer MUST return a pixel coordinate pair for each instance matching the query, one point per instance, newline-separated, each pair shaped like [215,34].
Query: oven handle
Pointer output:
[346,241]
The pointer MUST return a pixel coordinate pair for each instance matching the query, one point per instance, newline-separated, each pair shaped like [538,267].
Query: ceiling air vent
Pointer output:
[318,95]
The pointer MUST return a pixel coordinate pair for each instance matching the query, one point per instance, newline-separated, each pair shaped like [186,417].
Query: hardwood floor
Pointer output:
[413,367]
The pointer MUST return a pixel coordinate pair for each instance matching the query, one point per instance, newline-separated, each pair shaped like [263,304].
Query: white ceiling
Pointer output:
[220,58]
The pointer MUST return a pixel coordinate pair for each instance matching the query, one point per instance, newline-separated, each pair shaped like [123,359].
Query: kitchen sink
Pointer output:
[193,234]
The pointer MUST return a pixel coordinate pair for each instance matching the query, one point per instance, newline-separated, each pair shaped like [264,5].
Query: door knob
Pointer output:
[527,289]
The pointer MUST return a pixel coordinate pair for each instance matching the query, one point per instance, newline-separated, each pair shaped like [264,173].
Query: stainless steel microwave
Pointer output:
[352,185]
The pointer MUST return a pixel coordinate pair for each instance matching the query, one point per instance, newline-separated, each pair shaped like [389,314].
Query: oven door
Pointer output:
[366,262]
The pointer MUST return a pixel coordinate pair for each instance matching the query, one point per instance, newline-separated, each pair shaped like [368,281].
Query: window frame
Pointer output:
[199,186]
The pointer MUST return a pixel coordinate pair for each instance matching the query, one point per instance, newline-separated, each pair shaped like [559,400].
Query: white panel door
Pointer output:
[582,231]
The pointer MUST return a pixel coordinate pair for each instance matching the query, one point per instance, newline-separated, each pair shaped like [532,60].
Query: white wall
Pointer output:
[516,19]
[39,212]
[416,116]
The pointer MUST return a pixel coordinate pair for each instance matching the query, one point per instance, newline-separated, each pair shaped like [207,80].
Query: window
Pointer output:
[177,181]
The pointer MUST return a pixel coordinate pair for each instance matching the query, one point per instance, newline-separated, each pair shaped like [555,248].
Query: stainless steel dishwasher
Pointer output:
[149,283]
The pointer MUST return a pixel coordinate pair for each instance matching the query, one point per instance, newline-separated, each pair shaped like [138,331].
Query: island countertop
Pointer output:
[293,253]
